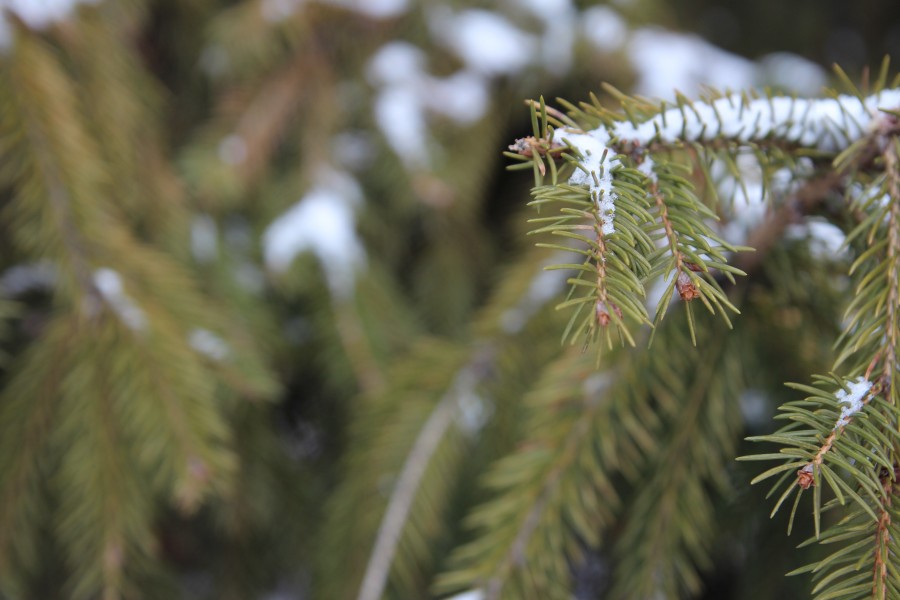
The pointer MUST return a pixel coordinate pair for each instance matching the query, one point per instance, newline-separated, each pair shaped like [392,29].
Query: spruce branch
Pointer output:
[776,128]
[663,548]
[892,303]
[405,490]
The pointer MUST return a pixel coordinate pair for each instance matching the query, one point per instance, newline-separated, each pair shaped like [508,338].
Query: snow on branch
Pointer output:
[324,223]
[109,284]
[852,400]
[829,124]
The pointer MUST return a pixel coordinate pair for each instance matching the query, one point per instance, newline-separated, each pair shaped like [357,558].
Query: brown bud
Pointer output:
[686,288]
[603,316]
[525,146]
[805,477]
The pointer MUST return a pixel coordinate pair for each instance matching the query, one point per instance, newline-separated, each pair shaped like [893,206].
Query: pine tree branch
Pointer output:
[882,541]
[57,197]
[892,325]
[550,483]
[407,486]
[369,377]
[32,391]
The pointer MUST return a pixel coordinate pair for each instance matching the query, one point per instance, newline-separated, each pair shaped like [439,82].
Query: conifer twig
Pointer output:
[417,461]
[893,258]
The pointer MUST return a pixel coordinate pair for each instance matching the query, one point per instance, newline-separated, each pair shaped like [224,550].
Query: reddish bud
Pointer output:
[686,288]
[805,477]
[603,316]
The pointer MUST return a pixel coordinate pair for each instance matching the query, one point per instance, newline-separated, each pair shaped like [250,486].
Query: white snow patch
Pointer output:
[863,195]
[401,118]
[322,222]
[20,279]
[544,286]
[473,413]
[557,41]
[408,93]
[546,10]
[755,407]
[353,149]
[852,398]
[826,241]
[395,62]
[470,595]
[598,162]
[462,97]
[666,61]
[204,238]
[793,72]
[604,28]
[109,283]
[829,124]
[375,9]
[208,344]
[656,291]
[487,42]
[596,384]
[249,276]
[275,11]
[36,14]
[232,150]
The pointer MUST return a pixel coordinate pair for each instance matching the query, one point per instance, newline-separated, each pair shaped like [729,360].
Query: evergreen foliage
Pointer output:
[438,389]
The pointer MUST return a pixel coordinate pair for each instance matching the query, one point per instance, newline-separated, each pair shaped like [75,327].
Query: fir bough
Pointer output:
[627,192]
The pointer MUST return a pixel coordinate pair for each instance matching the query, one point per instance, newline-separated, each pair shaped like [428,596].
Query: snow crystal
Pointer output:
[852,399]
[232,150]
[485,41]
[109,283]
[604,28]
[208,343]
[598,162]
[322,222]
[204,238]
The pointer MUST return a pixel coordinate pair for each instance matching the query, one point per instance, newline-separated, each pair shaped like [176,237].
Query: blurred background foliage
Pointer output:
[253,249]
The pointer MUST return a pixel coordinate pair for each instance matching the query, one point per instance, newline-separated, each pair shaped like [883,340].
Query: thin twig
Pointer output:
[401,500]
